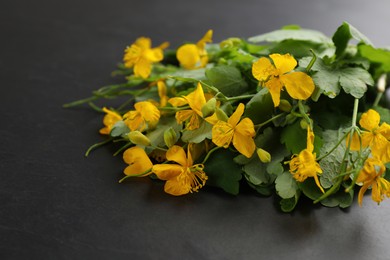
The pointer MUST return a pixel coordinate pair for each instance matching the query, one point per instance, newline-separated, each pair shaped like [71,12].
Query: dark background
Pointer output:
[56,204]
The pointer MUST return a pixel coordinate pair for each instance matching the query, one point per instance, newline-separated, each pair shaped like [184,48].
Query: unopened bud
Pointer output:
[170,137]
[231,42]
[221,114]
[304,124]
[381,84]
[209,108]
[264,156]
[136,137]
[285,106]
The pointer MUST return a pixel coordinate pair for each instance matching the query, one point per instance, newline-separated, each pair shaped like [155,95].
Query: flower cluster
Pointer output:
[278,111]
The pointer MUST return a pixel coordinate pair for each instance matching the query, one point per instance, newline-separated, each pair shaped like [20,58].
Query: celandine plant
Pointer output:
[291,111]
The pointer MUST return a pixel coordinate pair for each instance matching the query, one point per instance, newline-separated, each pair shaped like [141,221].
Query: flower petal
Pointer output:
[298,85]
[183,115]
[262,69]
[188,56]
[143,68]
[310,140]
[196,99]
[176,187]
[148,111]
[236,116]
[384,130]
[222,134]
[167,171]
[370,120]
[205,39]
[274,86]
[177,154]
[144,43]
[284,63]
[178,101]
[138,161]
[244,144]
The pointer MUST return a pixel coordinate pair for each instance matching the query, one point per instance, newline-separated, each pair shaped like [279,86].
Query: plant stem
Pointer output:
[209,153]
[97,145]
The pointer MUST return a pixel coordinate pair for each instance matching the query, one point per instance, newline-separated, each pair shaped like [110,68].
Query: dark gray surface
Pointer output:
[55,204]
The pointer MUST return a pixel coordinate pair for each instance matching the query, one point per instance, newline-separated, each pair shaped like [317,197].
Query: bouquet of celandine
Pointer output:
[290,112]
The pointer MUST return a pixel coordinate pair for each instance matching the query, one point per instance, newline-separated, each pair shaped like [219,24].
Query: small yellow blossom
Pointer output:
[183,177]
[371,175]
[192,56]
[162,93]
[196,100]
[298,84]
[138,161]
[140,56]
[109,121]
[376,137]
[241,132]
[304,164]
[145,114]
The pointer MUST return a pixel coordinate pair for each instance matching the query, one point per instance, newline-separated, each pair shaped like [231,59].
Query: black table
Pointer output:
[56,204]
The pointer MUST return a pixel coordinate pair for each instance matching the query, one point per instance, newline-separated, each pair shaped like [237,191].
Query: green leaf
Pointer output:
[374,55]
[330,165]
[384,113]
[227,79]
[299,48]
[156,136]
[262,101]
[223,172]
[355,80]
[286,186]
[256,173]
[197,135]
[294,137]
[119,129]
[310,189]
[295,34]
[344,34]
[263,189]
[288,205]
[340,198]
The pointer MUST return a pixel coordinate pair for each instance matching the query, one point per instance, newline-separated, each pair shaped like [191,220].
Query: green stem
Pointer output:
[95,107]
[122,148]
[209,153]
[269,120]
[174,108]
[377,99]
[303,113]
[334,148]
[344,163]
[240,97]
[312,61]
[97,145]
[135,175]
[79,102]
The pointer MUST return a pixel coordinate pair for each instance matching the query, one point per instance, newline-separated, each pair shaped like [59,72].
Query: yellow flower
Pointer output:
[371,175]
[304,164]
[145,114]
[196,100]
[109,121]
[376,137]
[183,177]
[298,84]
[138,161]
[162,93]
[192,56]
[241,132]
[140,56]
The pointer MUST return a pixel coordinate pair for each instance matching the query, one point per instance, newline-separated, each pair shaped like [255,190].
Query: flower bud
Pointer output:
[381,85]
[285,106]
[170,137]
[264,156]
[209,108]
[221,114]
[303,124]
[231,42]
[136,137]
